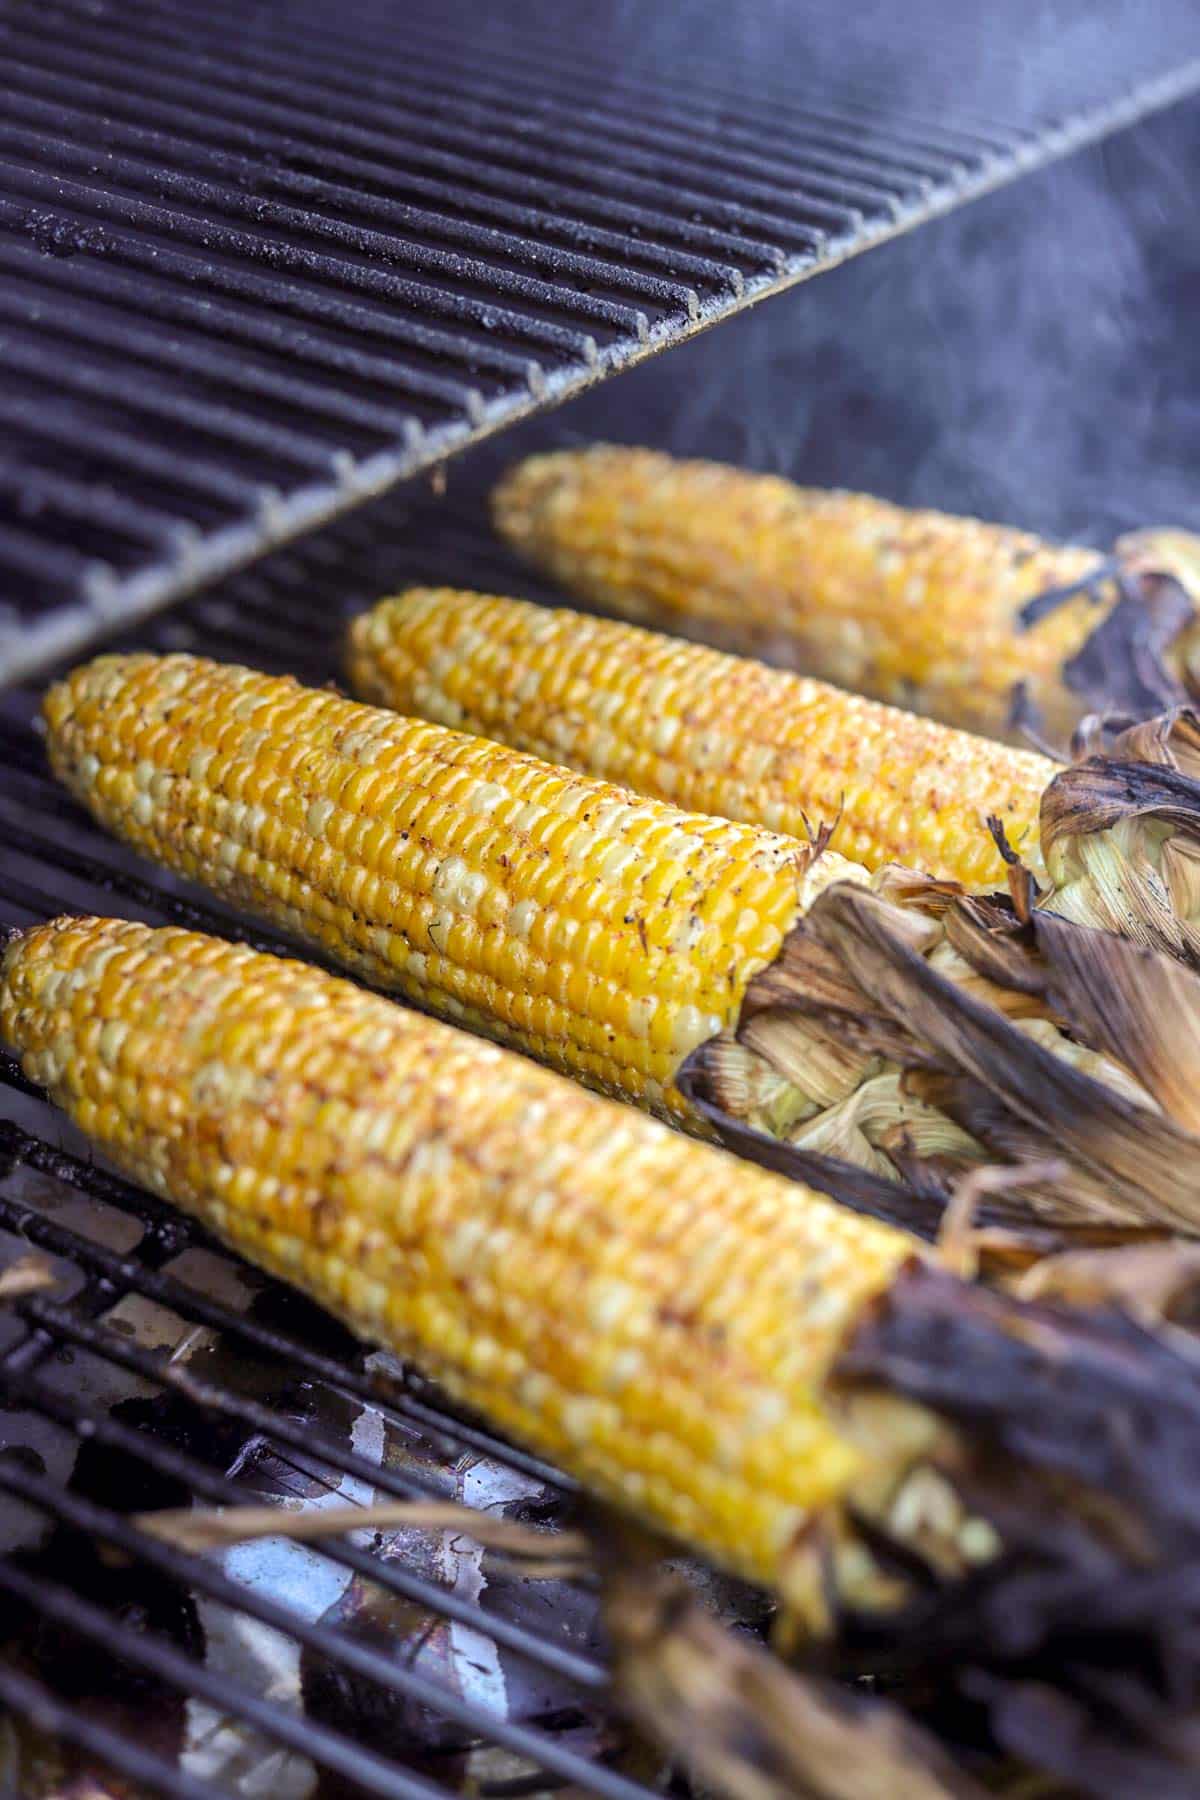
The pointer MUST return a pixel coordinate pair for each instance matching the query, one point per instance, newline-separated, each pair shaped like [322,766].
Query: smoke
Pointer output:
[1032,357]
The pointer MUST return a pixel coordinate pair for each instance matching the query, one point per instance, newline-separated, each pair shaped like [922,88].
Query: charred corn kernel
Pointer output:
[601,933]
[714,732]
[916,608]
[655,1316]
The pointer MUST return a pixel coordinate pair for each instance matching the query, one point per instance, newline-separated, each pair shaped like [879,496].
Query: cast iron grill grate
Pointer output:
[255,266]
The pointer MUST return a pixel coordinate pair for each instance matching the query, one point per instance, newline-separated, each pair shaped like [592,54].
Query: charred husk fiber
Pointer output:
[1079,1435]
[743,1723]
[984,1031]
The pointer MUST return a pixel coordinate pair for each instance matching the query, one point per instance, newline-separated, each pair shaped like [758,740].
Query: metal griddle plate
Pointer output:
[258,262]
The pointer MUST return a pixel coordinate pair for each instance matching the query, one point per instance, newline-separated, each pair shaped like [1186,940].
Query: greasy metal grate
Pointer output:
[159,1371]
[255,266]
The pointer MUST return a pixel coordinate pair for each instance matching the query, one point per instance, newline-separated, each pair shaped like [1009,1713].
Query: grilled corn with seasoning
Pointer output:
[1113,842]
[711,732]
[940,615]
[741,1364]
[562,1264]
[612,937]
[601,933]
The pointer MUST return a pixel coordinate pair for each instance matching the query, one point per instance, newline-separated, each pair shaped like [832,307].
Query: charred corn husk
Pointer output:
[1110,843]
[615,938]
[942,615]
[716,733]
[743,1365]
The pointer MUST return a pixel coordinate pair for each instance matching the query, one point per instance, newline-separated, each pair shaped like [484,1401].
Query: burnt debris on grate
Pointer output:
[255,268]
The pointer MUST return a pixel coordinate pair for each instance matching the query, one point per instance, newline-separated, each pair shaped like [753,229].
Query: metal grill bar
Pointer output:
[34,1701]
[159,1658]
[323,259]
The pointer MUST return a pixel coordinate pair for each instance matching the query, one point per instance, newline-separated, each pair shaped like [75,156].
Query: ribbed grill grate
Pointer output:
[255,266]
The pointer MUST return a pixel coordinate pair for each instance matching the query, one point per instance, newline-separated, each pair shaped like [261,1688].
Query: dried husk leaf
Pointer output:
[966,1034]
[204,1528]
[1077,1437]
[28,1275]
[883,1114]
[1153,1165]
[1139,1008]
[905,1203]
[1157,1284]
[1120,835]
[744,1724]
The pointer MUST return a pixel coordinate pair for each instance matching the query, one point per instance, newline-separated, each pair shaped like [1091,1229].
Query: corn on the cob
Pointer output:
[737,1362]
[651,1313]
[600,933]
[616,939]
[712,732]
[919,609]
[1113,841]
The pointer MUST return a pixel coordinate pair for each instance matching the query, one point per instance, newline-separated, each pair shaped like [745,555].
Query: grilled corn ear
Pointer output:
[942,615]
[625,1300]
[603,934]
[717,733]
[1110,843]
[736,1361]
[614,938]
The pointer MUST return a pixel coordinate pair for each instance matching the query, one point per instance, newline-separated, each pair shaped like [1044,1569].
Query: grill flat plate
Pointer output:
[256,264]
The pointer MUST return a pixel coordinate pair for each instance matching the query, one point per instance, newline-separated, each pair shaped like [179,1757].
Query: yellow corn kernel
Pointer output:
[912,607]
[709,731]
[534,905]
[653,1315]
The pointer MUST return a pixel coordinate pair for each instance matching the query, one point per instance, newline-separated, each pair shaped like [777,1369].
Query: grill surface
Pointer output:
[159,1370]
[255,266]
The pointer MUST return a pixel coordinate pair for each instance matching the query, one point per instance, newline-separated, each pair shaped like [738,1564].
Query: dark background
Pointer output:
[1034,357]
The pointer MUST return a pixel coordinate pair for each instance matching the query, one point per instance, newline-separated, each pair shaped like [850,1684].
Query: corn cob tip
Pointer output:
[530,487]
[600,932]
